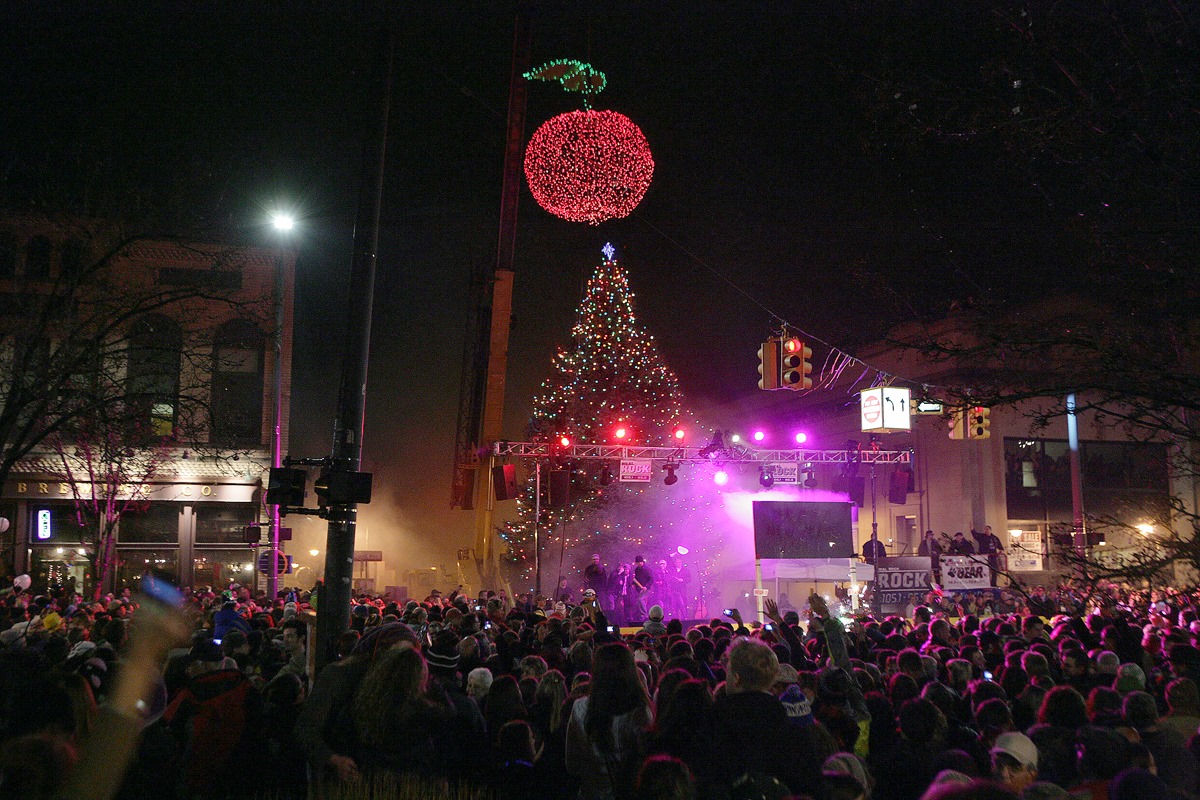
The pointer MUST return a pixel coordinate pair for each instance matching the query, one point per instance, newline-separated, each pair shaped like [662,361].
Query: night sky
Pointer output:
[798,177]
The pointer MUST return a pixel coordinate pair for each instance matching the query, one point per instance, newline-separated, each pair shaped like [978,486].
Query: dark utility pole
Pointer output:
[333,610]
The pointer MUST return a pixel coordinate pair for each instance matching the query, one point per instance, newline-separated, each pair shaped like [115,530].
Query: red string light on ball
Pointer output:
[589,166]
[586,166]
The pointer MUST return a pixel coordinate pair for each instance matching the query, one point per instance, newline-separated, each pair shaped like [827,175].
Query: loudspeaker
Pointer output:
[560,488]
[857,489]
[504,481]
[901,484]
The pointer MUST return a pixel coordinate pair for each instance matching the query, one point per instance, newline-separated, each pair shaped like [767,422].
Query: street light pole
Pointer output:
[333,610]
[282,223]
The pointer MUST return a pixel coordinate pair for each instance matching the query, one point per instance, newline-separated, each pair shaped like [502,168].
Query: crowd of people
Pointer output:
[1096,697]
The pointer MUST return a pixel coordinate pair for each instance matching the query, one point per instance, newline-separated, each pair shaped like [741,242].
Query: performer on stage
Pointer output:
[681,579]
[618,590]
[642,582]
[596,579]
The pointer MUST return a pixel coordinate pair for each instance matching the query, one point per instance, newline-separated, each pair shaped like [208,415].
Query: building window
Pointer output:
[8,255]
[224,523]
[217,568]
[133,564]
[154,523]
[58,524]
[74,254]
[237,385]
[1119,478]
[152,380]
[37,258]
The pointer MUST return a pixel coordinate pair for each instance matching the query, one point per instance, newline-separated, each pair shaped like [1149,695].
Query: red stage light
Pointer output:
[565,441]
[620,432]
[679,434]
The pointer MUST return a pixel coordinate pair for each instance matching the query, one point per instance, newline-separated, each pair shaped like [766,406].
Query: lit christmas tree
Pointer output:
[612,387]
[613,375]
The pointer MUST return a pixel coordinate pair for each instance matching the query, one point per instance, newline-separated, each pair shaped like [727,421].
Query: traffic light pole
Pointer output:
[333,609]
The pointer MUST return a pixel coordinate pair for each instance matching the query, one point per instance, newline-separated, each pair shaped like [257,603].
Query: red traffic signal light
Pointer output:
[795,367]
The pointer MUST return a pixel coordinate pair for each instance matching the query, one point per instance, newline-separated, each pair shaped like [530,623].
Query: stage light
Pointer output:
[721,477]
[620,432]
[759,436]
[679,434]
[714,448]
[671,478]
[565,441]
[683,551]
[735,438]
[766,478]
[809,476]
[801,437]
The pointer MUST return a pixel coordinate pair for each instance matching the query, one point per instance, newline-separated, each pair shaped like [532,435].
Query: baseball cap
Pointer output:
[1018,746]
[589,592]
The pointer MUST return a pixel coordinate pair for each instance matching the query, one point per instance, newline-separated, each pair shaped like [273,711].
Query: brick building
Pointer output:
[200,362]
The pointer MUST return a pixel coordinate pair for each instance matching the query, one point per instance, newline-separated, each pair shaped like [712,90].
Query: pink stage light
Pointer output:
[759,436]
[801,437]
[721,478]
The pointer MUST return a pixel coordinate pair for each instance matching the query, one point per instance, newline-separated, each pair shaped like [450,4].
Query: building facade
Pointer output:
[194,368]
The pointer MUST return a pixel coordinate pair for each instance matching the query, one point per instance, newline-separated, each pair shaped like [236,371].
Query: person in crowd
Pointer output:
[654,622]
[605,730]
[1014,761]
[216,718]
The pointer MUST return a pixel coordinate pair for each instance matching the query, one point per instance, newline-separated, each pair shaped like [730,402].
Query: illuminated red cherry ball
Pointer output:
[588,166]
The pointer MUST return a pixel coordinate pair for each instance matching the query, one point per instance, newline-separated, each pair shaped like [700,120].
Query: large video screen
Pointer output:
[803,530]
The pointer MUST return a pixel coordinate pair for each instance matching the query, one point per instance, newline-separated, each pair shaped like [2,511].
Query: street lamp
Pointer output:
[283,223]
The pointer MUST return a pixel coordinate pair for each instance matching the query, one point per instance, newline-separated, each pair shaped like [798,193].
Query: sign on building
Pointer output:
[636,470]
[885,409]
[1025,551]
[900,580]
[964,573]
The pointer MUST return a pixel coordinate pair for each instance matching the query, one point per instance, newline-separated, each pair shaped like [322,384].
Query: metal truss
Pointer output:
[734,454]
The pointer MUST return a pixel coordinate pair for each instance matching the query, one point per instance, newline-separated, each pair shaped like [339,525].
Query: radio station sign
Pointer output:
[636,470]
[900,580]
[785,471]
[963,573]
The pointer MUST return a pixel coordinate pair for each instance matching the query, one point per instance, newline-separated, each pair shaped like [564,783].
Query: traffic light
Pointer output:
[956,420]
[979,422]
[795,366]
[285,486]
[335,488]
[769,364]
